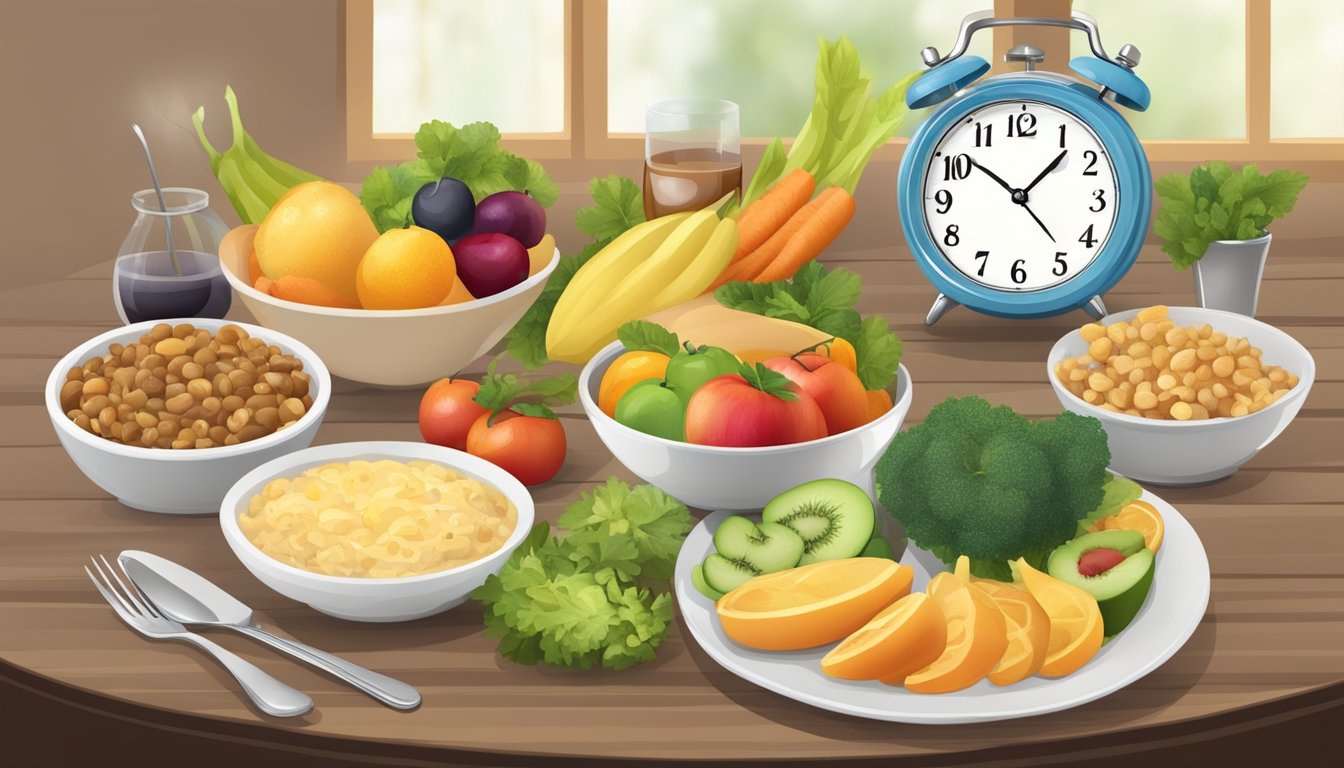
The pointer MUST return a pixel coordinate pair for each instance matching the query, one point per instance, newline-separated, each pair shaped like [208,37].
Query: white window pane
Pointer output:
[464,60]
[1194,62]
[762,54]
[1306,69]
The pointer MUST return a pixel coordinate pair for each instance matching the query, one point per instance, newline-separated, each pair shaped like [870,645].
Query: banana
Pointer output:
[700,274]
[594,281]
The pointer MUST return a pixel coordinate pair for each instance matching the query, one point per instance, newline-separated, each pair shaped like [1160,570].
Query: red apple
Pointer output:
[753,409]
[448,410]
[489,263]
[838,391]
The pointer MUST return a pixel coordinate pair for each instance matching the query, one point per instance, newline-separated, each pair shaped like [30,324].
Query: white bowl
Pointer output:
[1192,452]
[384,347]
[190,482]
[370,599]
[741,479]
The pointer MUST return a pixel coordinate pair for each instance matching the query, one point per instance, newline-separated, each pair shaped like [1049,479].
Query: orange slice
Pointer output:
[906,636]
[1075,621]
[1028,632]
[1136,516]
[976,639]
[812,605]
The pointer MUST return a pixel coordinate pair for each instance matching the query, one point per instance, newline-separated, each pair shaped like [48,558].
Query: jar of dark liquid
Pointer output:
[692,154]
[153,280]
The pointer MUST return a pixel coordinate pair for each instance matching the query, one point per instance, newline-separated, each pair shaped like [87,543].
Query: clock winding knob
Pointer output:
[930,56]
[1028,54]
[1129,56]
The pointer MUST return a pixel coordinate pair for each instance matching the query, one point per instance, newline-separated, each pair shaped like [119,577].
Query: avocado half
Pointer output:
[1112,566]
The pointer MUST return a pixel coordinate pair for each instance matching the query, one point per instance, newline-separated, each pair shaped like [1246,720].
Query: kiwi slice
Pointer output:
[834,518]
[702,586]
[746,550]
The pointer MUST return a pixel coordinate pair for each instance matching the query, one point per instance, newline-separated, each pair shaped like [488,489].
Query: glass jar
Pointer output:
[155,281]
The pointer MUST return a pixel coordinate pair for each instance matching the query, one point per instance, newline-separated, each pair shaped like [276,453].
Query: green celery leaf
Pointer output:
[878,351]
[539,185]
[767,171]
[642,335]
[536,410]
[745,296]
[784,306]
[618,205]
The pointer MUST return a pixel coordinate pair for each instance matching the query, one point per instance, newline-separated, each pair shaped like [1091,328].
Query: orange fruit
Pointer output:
[879,402]
[405,268]
[264,284]
[812,605]
[625,372]
[907,635]
[1136,516]
[976,639]
[458,295]
[306,290]
[1028,632]
[1075,620]
[253,267]
[317,230]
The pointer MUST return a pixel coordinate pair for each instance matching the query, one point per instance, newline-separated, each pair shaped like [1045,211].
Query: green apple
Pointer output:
[654,408]
[694,366]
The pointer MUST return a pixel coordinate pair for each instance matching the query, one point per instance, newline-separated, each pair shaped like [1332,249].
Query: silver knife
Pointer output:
[186,597]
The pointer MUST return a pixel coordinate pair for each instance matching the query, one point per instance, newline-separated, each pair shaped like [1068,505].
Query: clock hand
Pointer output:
[1038,221]
[992,175]
[1052,166]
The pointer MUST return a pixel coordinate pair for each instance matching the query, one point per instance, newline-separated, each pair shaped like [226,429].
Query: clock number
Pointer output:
[1098,197]
[1062,126]
[944,199]
[1091,162]
[951,236]
[1022,124]
[984,259]
[1087,237]
[1061,268]
[1018,274]
[987,131]
[956,167]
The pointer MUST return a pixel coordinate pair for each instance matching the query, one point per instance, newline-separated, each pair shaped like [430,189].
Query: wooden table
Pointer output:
[1270,649]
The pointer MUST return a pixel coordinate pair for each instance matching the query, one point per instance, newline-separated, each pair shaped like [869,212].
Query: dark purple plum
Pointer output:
[444,207]
[490,262]
[513,214]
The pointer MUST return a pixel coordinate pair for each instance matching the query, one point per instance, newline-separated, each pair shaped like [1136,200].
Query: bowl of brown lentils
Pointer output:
[166,416]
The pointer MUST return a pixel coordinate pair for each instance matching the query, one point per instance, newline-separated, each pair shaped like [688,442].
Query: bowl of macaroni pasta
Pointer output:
[376,531]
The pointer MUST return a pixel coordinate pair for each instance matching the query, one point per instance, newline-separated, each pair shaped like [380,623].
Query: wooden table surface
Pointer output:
[1271,645]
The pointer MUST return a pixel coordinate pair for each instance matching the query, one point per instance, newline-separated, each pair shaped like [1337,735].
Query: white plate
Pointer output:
[1179,595]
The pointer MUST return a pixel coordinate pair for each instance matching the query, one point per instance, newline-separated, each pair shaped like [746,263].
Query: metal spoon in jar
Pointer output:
[189,598]
[163,205]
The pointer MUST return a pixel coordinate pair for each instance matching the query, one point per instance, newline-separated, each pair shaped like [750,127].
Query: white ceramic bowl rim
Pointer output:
[542,274]
[312,365]
[292,464]
[1306,377]
[897,410]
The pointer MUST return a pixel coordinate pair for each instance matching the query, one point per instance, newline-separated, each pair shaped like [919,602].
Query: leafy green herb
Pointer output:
[824,299]
[509,391]
[584,600]
[470,154]
[617,206]
[768,381]
[644,336]
[767,170]
[1217,203]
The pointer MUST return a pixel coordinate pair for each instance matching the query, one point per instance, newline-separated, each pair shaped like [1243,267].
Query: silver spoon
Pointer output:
[163,206]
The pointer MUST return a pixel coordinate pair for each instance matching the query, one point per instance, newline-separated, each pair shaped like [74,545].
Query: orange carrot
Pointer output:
[759,259]
[770,211]
[835,207]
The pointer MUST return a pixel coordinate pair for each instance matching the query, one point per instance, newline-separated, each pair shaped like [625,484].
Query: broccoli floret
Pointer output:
[987,483]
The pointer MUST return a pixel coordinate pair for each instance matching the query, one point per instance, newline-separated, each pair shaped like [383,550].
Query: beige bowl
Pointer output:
[385,348]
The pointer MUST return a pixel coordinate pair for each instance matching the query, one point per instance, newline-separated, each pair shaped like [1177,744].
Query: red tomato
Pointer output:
[531,448]
[838,391]
[447,412]
[728,411]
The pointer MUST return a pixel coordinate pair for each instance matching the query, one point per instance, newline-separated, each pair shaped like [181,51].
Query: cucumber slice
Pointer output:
[834,518]
[698,581]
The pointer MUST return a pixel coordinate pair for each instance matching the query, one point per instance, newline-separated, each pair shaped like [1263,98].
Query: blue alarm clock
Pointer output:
[1026,194]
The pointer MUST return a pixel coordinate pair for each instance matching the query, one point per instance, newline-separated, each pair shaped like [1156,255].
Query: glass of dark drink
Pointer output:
[168,266]
[692,154]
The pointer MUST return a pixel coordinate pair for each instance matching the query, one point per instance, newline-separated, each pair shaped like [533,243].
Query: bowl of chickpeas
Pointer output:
[166,416]
[1186,395]
[376,531]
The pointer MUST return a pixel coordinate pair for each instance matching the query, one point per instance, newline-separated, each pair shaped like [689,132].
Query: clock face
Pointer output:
[1020,195]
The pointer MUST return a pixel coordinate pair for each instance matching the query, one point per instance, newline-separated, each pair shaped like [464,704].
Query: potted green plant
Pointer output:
[1216,220]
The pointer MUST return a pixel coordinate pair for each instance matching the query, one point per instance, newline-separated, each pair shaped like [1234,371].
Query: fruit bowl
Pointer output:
[386,348]
[1191,452]
[741,479]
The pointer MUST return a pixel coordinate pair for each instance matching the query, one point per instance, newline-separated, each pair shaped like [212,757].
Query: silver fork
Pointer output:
[270,695]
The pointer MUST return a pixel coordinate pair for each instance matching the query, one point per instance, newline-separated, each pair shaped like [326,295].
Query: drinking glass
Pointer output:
[146,284]
[692,154]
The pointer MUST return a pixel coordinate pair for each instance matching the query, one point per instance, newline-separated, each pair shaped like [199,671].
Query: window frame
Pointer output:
[585,135]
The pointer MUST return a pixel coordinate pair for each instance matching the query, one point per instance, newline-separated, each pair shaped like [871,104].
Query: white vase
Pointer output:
[1228,276]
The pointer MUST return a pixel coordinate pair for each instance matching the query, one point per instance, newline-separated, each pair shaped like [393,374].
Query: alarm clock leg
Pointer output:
[1095,308]
[941,306]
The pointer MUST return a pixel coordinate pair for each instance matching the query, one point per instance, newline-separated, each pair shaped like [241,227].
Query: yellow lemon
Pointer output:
[405,269]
